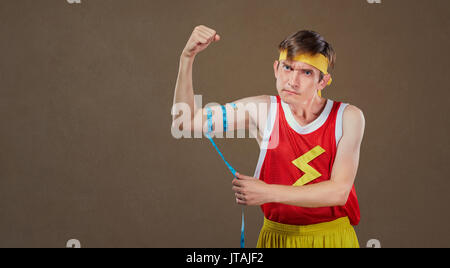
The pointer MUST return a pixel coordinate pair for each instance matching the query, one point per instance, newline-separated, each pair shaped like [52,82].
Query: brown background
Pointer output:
[86,150]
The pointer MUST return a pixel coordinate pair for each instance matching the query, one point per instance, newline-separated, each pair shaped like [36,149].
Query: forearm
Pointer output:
[184,90]
[322,194]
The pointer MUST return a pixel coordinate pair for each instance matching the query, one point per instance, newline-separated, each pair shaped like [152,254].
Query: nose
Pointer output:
[294,80]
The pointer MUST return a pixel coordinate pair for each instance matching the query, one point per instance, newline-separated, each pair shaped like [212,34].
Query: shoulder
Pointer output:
[255,99]
[353,115]
[249,103]
[353,123]
[254,105]
[266,99]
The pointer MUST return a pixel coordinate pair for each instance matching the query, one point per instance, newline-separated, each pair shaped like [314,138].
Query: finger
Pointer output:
[240,202]
[200,38]
[242,177]
[209,35]
[240,197]
[203,35]
[237,189]
[237,183]
[206,32]
[206,29]
[214,37]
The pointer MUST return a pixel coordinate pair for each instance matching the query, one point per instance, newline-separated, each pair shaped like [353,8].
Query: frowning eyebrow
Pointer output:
[301,69]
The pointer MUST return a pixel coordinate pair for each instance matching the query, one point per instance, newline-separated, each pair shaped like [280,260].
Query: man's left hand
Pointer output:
[250,191]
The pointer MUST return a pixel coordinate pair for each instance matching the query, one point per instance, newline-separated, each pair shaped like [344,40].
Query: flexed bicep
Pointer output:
[232,119]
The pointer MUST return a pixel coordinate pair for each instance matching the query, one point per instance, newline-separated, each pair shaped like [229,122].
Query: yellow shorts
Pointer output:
[334,234]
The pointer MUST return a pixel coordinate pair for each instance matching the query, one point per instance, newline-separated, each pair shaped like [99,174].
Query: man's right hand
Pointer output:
[200,39]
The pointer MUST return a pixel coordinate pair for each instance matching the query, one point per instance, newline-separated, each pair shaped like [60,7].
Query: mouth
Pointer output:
[290,92]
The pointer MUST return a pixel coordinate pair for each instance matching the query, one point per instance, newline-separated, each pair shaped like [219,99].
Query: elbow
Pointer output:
[179,125]
[341,201]
[341,196]
[181,117]
[179,130]
[176,126]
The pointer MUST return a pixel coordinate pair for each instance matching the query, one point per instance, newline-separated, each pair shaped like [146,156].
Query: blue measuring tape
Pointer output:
[232,170]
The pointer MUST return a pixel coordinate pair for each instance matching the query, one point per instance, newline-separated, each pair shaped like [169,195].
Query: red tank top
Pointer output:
[292,154]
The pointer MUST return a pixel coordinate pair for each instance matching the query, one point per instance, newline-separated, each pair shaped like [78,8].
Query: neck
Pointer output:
[308,110]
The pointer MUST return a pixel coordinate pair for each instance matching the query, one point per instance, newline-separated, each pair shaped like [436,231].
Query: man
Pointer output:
[304,179]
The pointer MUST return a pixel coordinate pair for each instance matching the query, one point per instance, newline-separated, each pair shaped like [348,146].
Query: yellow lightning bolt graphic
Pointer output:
[302,163]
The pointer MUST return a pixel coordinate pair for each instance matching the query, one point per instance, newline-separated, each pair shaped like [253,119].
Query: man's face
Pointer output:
[297,81]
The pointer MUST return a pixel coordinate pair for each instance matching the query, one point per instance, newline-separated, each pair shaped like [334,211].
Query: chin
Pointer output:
[288,97]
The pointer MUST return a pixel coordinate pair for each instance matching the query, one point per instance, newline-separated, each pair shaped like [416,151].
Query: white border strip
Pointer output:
[267,133]
[339,122]
[311,127]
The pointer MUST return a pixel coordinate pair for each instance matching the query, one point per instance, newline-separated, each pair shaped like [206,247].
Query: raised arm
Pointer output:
[199,40]
[249,113]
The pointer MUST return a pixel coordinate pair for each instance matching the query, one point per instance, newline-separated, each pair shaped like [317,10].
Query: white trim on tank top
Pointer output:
[339,124]
[311,127]
[266,136]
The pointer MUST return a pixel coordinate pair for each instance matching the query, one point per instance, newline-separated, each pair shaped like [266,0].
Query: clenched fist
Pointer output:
[200,39]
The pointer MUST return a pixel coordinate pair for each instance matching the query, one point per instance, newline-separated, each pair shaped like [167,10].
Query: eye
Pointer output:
[308,72]
[287,67]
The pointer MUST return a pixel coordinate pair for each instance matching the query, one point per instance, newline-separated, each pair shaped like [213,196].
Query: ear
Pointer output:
[324,81]
[275,68]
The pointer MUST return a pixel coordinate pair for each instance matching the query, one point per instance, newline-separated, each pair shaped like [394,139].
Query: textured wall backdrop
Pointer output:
[86,90]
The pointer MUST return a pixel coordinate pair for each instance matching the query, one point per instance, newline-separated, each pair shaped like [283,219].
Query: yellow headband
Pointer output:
[319,61]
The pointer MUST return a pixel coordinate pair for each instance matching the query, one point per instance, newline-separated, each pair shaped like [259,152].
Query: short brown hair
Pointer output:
[308,42]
